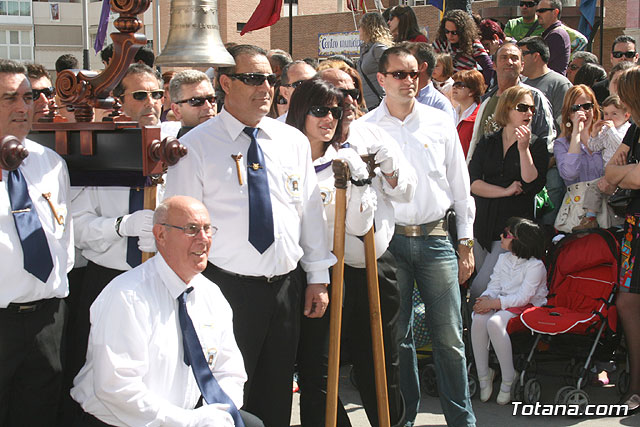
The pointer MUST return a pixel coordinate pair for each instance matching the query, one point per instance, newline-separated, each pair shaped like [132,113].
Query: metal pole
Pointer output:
[291,27]
[156,25]
[601,28]
[85,35]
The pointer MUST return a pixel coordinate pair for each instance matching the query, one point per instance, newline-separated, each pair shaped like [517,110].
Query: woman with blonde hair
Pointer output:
[627,176]
[376,38]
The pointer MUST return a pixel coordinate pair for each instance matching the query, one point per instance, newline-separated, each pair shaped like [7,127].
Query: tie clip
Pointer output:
[21,211]
[59,218]
[237,158]
[255,166]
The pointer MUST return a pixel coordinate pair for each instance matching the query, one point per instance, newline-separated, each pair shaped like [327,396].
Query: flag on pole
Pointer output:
[438,4]
[266,14]
[587,17]
[102,26]
[353,5]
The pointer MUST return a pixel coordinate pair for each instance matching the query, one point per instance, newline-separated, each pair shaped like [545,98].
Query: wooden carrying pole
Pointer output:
[341,174]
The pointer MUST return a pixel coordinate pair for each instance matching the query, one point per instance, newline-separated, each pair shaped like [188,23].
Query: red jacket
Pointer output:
[465,130]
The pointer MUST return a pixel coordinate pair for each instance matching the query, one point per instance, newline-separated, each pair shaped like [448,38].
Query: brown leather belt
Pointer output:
[435,228]
[27,307]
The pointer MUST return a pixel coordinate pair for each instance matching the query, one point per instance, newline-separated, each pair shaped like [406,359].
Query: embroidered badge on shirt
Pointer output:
[212,355]
[293,185]
[327,195]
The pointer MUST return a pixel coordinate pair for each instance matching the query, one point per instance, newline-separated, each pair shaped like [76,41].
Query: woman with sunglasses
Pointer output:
[507,170]
[459,37]
[468,86]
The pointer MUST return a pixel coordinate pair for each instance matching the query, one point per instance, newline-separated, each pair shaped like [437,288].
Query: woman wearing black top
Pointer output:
[507,169]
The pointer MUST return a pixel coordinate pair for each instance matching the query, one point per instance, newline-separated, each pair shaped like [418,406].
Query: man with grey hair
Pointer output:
[193,100]
[578,60]
[293,75]
[278,59]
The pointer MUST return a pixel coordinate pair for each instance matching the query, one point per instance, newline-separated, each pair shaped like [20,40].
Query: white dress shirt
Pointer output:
[135,372]
[518,282]
[209,174]
[44,172]
[429,141]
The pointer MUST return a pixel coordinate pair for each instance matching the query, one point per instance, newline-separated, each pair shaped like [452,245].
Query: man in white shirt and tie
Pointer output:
[423,251]
[255,176]
[36,249]
[162,336]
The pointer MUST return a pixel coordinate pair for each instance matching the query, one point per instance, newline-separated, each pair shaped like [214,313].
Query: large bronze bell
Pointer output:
[194,36]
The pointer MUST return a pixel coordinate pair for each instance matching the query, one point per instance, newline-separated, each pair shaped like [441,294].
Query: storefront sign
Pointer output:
[347,43]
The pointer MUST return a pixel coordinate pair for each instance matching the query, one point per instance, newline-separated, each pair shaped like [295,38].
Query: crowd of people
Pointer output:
[467,131]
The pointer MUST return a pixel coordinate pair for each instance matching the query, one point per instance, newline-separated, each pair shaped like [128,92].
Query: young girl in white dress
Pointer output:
[519,281]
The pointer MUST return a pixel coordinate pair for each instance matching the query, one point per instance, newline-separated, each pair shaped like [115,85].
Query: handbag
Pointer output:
[543,203]
[572,209]
[620,199]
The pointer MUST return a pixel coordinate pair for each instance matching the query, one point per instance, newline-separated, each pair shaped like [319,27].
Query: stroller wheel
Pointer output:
[428,380]
[622,385]
[473,385]
[572,373]
[532,391]
[517,390]
[577,397]
[561,394]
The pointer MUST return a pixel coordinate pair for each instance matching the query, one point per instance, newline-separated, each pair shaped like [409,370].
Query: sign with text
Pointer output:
[347,43]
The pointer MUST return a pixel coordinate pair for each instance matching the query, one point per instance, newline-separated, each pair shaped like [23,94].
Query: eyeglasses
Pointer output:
[629,55]
[193,230]
[574,67]
[295,84]
[528,4]
[545,9]
[459,85]
[507,234]
[453,33]
[255,79]
[401,75]
[523,108]
[319,111]
[353,93]
[586,106]
[48,92]
[141,95]
[198,101]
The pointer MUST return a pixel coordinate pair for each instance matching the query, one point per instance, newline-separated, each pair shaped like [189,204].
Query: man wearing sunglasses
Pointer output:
[527,24]
[293,74]
[557,38]
[424,253]
[43,90]
[255,176]
[623,49]
[193,99]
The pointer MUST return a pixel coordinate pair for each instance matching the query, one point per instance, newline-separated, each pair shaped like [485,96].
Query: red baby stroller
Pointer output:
[582,279]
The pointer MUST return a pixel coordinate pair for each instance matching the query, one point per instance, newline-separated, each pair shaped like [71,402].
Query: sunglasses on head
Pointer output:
[198,101]
[586,106]
[523,108]
[48,92]
[141,95]
[453,33]
[629,55]
[507,234]
[401,75]
[319,111]
[353,93]
[460,85]
[295,84]
[528,4]
[255,79]
[545,9]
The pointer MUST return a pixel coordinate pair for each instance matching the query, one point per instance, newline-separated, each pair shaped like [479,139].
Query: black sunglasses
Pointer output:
[48,92]
[586,106]
[459,85]
[528,4]
[198,101]
[353,93]
[319,111]
[255,79]
[401,75]
[141,95]
[453,33]
[523,108]
[545,9]
[629,55]
[295,84]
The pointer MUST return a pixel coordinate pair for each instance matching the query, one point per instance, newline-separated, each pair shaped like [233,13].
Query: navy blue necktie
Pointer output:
[260,211]
[35,249]
[209,387]
[136,203]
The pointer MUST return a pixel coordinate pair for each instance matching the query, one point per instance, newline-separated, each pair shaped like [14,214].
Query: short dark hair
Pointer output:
[529,241]
[536,45]
[342,58]
[241,49]
[66,62]
[589,74]
[137,69]
[145,55]
[587,57]
[12,67]
[315,91]
[556,4]
[36,71]
[423,52]
[284,77]
[106,53]
[384,58]
[623,39]
[312,61]
[280,59]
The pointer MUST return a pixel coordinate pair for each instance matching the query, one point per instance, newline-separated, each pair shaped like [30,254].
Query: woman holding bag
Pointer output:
[376,38]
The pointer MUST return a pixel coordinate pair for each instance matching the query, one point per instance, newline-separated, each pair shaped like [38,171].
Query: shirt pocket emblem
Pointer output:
[292,185]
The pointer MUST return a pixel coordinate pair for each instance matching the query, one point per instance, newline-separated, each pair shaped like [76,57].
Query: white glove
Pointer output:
[216,415]
[387,155]
[357,166]
[360,209]
[147,244]
[137,224]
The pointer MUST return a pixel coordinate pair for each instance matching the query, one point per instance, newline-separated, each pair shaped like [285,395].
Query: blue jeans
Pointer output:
[431,263]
